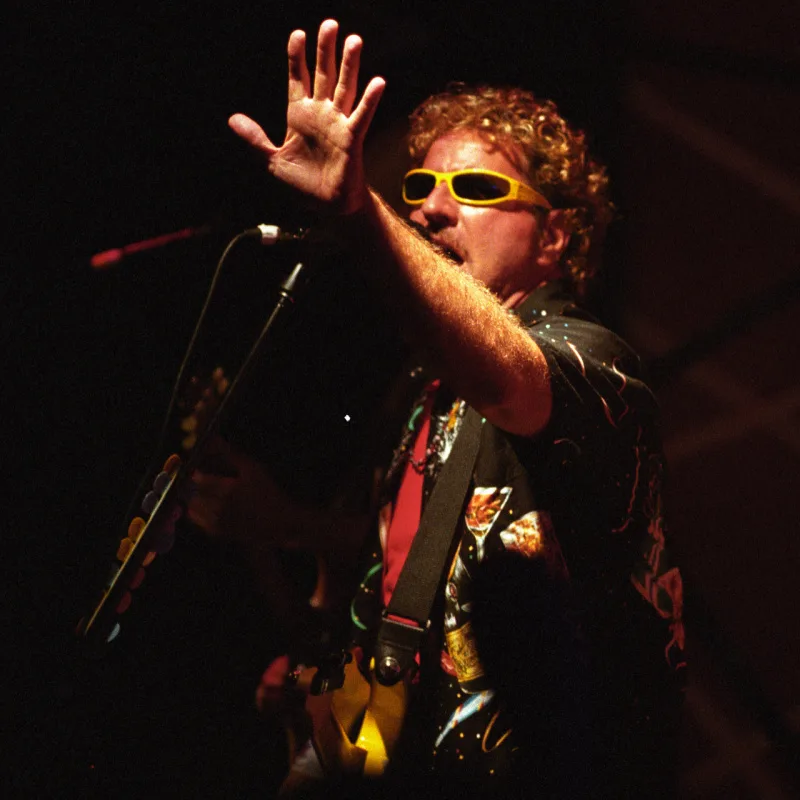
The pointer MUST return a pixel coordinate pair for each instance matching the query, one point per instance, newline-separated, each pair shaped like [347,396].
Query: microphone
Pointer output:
[272,234]
[267,234]
[110,257]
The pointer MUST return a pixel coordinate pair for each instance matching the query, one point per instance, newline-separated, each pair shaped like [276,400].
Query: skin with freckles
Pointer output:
[508,247]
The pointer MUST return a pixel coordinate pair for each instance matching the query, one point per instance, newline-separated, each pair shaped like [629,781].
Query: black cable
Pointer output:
[157,450]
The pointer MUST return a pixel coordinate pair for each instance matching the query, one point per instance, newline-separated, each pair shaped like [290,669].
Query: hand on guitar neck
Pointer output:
[236,497]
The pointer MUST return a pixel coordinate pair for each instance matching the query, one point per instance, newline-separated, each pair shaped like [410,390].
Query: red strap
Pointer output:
[408,504]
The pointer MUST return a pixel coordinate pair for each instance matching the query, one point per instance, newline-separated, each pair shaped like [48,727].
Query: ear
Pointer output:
[553,239]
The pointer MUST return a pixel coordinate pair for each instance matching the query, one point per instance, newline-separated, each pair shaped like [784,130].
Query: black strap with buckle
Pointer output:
[399,640]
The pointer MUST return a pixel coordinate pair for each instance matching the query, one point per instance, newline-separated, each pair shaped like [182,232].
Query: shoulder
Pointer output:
[592,370]
[559,325]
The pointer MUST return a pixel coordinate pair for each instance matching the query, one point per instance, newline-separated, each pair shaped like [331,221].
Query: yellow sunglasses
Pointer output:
[473,187]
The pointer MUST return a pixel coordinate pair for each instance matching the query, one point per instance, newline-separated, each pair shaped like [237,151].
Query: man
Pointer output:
[548,668]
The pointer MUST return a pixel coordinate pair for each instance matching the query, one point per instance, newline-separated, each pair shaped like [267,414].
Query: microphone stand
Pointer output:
[101,625]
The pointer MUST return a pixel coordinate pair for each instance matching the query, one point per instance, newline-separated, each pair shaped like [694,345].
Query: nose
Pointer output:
[439,210]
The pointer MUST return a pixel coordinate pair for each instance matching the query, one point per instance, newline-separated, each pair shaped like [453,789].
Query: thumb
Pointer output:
[252,133]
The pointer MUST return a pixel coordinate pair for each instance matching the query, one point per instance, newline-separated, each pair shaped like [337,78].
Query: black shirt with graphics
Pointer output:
[556,655]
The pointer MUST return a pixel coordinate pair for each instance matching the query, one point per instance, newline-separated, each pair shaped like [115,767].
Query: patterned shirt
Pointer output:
[556,653]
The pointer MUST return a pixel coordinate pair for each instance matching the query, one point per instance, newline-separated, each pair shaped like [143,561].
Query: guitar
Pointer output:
[153,531]
[163,505]
[352,728]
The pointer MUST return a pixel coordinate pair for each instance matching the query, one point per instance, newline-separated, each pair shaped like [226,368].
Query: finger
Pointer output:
[200,480]
[204,517]
[361,118]
[275,674]
[346,88]
[217,447]
[299,80]
[252,133]
[325,72]
[209,485]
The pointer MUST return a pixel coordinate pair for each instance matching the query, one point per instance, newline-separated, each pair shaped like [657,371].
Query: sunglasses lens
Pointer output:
[418,186]
[480,187]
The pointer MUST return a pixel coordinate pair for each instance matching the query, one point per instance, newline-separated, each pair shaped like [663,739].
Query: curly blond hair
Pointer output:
[555,157]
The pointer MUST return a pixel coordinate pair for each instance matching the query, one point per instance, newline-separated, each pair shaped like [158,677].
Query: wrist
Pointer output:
[355,201]
[353,223]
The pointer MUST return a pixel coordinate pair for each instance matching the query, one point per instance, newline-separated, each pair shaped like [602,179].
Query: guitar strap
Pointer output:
[406,620]
[356,727]
[399,641]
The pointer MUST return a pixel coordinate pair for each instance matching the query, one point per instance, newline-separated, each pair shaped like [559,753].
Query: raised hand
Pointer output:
[322,154]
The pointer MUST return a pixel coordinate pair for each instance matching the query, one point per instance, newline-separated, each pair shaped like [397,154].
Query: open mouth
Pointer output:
[442,249]
[447,252]
[451,254]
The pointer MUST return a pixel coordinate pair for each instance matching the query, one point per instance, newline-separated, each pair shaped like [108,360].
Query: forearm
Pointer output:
[470,340]
[474,344]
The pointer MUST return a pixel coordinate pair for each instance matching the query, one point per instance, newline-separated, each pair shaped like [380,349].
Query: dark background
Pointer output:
[116,132]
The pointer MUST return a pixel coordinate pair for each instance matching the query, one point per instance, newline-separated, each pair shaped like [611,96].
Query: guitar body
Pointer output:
[354,728]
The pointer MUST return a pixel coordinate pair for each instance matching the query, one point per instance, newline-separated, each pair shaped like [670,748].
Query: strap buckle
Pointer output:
[396,648]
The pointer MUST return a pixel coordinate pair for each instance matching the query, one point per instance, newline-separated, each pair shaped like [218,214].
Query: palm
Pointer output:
[322,153]
[317,151]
